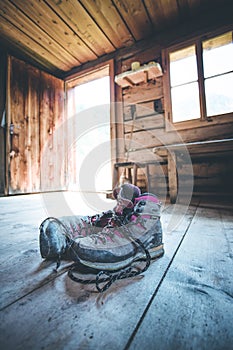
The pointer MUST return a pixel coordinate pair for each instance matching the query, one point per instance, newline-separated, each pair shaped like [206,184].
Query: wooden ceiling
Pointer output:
[59,35]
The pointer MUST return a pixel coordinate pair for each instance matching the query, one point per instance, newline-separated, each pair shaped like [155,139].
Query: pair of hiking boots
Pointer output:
[111,241]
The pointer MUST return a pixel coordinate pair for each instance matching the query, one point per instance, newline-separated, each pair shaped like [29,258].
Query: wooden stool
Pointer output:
[131,177]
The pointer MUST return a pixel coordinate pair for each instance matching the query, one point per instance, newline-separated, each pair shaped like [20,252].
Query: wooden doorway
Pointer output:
[89,112]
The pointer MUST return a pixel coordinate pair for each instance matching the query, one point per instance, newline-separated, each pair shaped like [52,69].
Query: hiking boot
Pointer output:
[58,234]
[117,247]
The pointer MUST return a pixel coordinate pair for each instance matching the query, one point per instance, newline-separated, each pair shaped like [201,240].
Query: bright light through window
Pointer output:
[184,87]
[218,65]
[219,94]
[218,55]
[195,95]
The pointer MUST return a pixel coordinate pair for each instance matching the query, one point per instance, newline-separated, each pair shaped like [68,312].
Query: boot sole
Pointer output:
[155,253]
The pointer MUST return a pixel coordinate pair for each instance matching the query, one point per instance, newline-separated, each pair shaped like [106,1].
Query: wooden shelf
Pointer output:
[147,72]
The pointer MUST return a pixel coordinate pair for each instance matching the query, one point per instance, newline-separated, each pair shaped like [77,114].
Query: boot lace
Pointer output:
[104,279]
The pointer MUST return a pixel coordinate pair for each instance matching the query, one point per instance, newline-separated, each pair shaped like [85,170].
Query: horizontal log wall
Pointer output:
[145,127]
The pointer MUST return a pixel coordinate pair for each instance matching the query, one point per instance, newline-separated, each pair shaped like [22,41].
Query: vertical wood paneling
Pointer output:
[32,146]
[3,70]
[24,130]
[37,133]
[18,80]
[53,168]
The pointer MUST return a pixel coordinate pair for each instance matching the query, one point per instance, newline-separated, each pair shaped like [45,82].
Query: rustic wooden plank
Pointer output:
[143,55]
[172,176]
[52,131]
[193,306]
[208,146]
[56,28]
[33,31]
[161,137]
[145,108]
[37,110]
[83,25]
[144,140]
[3,89]
[110,21]
[36,34]
[31,57]
[135,15]
[25,42]
[32,146]
[51,314]
[144,92]
[161,12]
[20,219]
[18,88]
[155,121]
[156,12]
[142,110]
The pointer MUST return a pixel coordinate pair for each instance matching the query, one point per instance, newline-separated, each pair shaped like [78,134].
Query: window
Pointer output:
[201,79]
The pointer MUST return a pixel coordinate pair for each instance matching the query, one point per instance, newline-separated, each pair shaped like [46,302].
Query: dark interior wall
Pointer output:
[3,71]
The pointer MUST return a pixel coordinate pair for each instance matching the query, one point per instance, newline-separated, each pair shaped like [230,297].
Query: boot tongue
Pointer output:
[122,204]
[148,197]
[125,196]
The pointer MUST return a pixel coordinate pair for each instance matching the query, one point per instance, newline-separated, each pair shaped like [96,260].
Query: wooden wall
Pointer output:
[37,129]
[3,70]
[148,128]
[35,138]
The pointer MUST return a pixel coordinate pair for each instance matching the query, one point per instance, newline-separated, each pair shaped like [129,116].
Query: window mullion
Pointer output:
[200,70]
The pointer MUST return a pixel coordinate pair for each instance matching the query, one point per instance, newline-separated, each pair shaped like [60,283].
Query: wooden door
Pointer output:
[53,133]
[24,128]
[35,110]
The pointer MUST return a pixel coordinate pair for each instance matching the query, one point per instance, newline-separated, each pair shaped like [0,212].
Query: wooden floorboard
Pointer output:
[193,308]
[42,309]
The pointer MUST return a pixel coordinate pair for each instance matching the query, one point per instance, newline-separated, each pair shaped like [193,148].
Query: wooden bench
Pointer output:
[170,153]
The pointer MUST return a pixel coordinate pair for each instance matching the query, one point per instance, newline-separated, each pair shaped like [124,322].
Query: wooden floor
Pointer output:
[183,301]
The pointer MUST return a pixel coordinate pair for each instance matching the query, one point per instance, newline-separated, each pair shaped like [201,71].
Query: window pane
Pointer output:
[219,94]
[218,55]
[185,102]
[183,66]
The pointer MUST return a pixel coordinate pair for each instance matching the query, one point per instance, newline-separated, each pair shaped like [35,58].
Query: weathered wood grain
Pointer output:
[28,43]
[143,93]
[110,21]
[48,312]
[193,308]
[155,121]
[56,28]
[37,142]
[20,219]
[135,16]
[83,25]
[172,176]
[36,35]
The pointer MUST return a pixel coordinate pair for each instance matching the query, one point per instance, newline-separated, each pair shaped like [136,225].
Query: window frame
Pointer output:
[203,120]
